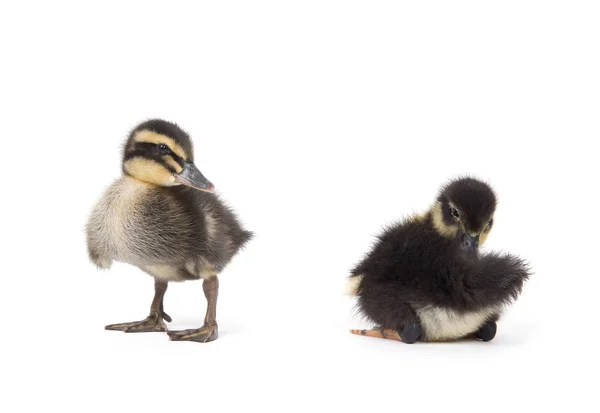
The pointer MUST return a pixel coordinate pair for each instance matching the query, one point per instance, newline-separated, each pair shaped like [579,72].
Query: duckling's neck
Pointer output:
[130,180]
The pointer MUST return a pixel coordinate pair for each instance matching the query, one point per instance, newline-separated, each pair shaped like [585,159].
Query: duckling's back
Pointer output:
[408,256]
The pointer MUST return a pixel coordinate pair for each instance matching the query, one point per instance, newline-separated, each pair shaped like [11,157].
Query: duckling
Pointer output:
[425,278]
[163,217]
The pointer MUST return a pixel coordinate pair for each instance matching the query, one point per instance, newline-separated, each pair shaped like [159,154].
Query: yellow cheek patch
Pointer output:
[483,237]
[439,224]
[485,232]
[148,136]
[169,159]
[149,171]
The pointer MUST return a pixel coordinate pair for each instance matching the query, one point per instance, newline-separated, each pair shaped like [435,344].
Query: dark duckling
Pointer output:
[426,278]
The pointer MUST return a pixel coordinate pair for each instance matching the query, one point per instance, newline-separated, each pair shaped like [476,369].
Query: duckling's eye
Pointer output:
[162,147]
[490,223]
[454,213]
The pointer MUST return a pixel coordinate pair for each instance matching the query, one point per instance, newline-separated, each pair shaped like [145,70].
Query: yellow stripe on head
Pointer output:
[148,136]
[169,160]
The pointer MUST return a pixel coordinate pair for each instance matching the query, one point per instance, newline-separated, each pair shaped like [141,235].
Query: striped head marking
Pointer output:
[160,153]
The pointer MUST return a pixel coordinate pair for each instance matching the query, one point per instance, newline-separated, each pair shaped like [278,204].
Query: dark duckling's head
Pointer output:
[465,209]
[161,153]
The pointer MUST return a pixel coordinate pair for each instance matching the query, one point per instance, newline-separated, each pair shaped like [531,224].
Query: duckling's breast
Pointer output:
[440,324]
[140,224]
[112,224]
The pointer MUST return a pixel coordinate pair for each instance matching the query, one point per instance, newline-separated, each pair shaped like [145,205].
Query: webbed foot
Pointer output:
[152,323]
[201,335]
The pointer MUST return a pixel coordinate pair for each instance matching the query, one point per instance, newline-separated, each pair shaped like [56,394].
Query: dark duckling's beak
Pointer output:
[191,176]
[470,243]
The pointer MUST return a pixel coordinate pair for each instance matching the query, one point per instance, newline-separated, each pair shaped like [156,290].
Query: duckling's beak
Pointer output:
[470,243]
[191,176]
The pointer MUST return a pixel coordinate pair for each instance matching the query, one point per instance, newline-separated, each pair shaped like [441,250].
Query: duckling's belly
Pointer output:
[190,271]
[441,324]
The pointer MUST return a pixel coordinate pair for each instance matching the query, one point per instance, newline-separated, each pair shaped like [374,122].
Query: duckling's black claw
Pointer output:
[166,317]
[410,333]
[200,335]
[488,331]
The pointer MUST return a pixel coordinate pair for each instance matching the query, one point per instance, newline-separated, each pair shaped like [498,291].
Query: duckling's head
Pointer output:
[161,153]
[465,209]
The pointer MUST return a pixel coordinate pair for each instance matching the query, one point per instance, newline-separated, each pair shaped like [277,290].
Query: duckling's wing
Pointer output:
[495,279]
[220,233]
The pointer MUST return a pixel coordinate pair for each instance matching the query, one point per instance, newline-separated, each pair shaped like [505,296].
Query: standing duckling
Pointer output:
[162,217]
[425,278]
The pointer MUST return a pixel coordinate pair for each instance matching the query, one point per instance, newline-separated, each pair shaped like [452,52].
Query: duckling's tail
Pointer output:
[353,285]
[382,333]
[246,236]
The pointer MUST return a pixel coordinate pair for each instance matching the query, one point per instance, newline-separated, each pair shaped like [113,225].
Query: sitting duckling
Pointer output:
[162,217]
[425,279]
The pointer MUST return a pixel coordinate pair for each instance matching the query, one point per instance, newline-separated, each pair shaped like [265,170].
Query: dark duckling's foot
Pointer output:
[487,332]
[152,323]
[201,335]
[410,333]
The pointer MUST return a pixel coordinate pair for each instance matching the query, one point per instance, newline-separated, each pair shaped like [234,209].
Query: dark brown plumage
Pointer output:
[425,277]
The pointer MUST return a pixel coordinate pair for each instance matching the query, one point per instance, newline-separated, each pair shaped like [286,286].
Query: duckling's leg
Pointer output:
[209,331]
[154,321]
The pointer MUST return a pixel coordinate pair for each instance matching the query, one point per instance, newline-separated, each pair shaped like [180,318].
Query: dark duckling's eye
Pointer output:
[162,147]
[454,213]
[490,223]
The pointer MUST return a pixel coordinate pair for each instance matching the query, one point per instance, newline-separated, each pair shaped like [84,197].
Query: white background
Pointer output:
[319,122]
